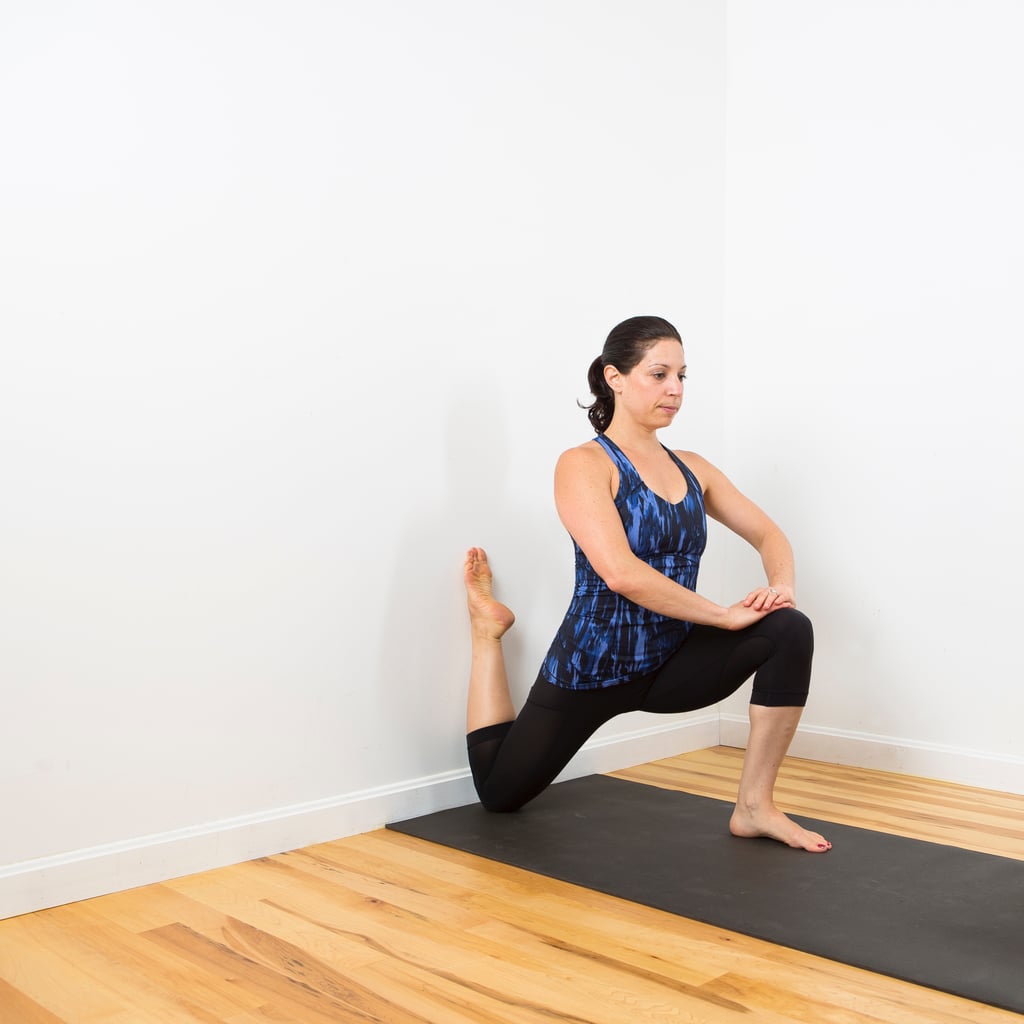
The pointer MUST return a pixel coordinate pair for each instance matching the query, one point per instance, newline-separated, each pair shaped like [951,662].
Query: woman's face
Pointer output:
[652,392]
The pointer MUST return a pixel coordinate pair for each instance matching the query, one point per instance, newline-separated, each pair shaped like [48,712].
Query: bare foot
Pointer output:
[750,822]
[488,617]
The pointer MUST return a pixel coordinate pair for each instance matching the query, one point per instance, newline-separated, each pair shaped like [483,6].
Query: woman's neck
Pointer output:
[633,437]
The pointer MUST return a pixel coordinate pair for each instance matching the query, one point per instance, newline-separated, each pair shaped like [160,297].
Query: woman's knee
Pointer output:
[511,796]
[785,679]
[790,627]
[501,804]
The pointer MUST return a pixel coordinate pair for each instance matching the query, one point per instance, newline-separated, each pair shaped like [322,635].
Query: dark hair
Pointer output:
[624,348]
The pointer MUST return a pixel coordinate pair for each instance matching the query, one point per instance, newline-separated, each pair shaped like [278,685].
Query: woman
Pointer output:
[636,635]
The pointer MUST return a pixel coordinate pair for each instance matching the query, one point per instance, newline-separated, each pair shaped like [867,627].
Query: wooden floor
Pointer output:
[383,927]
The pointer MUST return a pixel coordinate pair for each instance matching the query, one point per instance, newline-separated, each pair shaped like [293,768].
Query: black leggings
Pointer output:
[512,762]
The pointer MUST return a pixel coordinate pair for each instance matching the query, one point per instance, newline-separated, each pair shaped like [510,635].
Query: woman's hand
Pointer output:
[756,605]
[770,598]
[739,616]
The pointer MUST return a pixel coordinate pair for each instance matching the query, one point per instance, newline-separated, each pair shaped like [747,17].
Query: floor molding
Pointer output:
[893,754]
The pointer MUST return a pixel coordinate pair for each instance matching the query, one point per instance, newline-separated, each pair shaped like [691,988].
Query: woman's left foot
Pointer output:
[490,619]
[749,823]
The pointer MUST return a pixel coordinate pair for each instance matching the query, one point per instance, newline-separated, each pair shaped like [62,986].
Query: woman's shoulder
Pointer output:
[586,454]
[589,457]
[584,474]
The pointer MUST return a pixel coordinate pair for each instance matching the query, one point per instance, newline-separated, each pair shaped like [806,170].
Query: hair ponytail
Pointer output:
[600,410]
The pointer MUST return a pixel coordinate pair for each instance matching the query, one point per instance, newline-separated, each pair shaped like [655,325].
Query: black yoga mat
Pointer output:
[938,916]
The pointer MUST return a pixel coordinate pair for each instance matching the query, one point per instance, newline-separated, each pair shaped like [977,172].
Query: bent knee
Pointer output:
[791,627]
[500,806]
[785,679]
[508,798]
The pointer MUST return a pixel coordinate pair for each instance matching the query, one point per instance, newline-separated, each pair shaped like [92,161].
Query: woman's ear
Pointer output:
[613,378]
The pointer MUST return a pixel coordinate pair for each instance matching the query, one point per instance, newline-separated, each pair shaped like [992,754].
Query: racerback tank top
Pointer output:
[606,639]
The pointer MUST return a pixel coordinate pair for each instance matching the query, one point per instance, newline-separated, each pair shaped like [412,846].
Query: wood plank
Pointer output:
[281,974]
[147,977]
[44,965]
[18,1008]
[283,906]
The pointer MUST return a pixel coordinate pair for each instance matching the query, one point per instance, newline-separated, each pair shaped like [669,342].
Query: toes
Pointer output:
[818,843]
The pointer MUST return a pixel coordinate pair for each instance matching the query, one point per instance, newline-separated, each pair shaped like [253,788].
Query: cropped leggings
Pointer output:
[512,762]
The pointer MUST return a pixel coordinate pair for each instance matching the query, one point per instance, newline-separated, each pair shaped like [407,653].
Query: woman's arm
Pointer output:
[733,509]
[584,483]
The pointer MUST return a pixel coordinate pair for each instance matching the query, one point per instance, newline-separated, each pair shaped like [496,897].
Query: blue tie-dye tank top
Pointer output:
[605,638]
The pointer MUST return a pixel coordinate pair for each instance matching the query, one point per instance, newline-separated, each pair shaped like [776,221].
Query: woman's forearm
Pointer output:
[645,586]
[777,558]
[650,589]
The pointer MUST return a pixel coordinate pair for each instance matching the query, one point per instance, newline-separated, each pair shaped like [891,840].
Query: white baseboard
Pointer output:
[81,874]
[113,867]
[893,754]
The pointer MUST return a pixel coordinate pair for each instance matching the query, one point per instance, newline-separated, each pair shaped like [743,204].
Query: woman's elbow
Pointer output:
[623,576]
[619,582]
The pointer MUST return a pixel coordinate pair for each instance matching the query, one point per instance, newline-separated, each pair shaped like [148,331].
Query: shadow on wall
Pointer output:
[424,648]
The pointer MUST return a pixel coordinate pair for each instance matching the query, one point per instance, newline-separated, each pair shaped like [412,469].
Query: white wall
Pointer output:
[874,329]
[296,303]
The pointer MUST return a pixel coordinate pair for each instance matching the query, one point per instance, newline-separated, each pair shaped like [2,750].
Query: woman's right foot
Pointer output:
[489,618]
